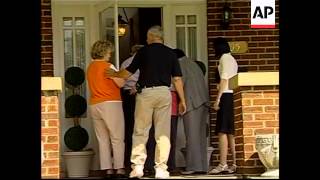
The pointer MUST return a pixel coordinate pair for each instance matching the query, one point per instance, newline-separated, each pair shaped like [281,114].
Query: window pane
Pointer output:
[79,21]
[181,42]
[68,48]
[67,21]
[180,20]
[192,41]
[81,58]
[192,19]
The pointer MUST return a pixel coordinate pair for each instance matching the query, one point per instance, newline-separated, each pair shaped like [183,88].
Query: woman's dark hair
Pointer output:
[221,46]
[179,53]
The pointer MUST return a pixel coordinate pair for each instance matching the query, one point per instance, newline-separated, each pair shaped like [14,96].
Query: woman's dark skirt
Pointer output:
[225,115]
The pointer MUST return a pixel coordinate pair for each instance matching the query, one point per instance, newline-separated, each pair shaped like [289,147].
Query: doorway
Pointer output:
[135,22]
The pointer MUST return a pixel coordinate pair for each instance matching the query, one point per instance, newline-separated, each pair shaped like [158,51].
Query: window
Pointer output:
[74,50]
[186,34]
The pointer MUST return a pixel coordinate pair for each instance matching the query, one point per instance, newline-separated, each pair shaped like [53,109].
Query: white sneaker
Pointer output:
[137,172]
[162,174]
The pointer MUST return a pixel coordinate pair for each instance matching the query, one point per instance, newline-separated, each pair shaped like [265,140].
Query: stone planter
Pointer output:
[78,163]
[268,150]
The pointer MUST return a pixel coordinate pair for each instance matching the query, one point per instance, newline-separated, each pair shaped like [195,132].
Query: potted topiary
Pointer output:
[76,138]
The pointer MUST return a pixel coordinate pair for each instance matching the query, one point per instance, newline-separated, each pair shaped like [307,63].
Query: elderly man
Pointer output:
[158,65]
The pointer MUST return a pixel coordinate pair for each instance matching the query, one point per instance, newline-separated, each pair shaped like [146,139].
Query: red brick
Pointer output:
[249,140]
[245,21]
[47,37]
[272,109]
[51,147]
[266,68]
[265,32]
[53,108]
[44,171]
[258,38]
[273,38]
[45,43]
[248,132]
[272,123]
[46,55]
[252,95]
[237,117]
[45,73]
[249,56]
[263,102]
[246,102]
[265,44]
[53,170]
[257,50]
[49,115]
[276,101]
[252,109]
[215,33]
[272,61]
[244,33]
[43,108]
[53,155]
[238,140]
[52,139]
[232,33]
[242,27]
[249,147]
[46,31]
[274,94]
[245,9]
[247,117]
[243,62]
[238,125]
[257,62]
[50,163]
[237,110]
[43,124]
[251,44]
[266,56]
[252,68]
[49,131]
[252,124]
[46,13]
[272,50]
[240,4]
[277,130]
[53,123]
[264,131]
[265,116]
[237,103]
[239,154]
[43,138]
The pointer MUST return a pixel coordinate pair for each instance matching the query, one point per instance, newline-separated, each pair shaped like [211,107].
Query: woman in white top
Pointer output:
[227,68]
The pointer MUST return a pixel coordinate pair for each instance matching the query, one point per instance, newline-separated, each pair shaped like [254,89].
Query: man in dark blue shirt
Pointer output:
[158,66]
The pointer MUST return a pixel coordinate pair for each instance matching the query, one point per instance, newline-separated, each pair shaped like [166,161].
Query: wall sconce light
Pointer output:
[226,16]
[122,24]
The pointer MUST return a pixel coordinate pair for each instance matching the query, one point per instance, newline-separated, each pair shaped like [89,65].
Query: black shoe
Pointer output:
[108,176]
[120,176]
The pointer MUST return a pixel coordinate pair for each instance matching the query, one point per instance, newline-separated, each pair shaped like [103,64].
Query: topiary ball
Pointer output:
[74,76]
[76,138]
[75,105]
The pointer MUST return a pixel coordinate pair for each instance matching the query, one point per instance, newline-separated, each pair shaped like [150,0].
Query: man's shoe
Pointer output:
[162,174]
[137,172]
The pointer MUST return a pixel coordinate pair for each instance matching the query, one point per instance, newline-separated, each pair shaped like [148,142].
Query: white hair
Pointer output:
[156,31]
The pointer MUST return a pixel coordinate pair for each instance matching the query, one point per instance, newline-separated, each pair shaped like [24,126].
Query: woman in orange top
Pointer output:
[106,109]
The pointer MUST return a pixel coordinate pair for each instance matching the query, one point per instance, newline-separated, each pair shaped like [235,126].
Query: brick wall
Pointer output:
[50,136]
[46,39]
[256,112]
[262,54]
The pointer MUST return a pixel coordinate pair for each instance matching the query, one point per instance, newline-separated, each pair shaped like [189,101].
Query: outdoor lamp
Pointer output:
[121,26]
[226,16]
